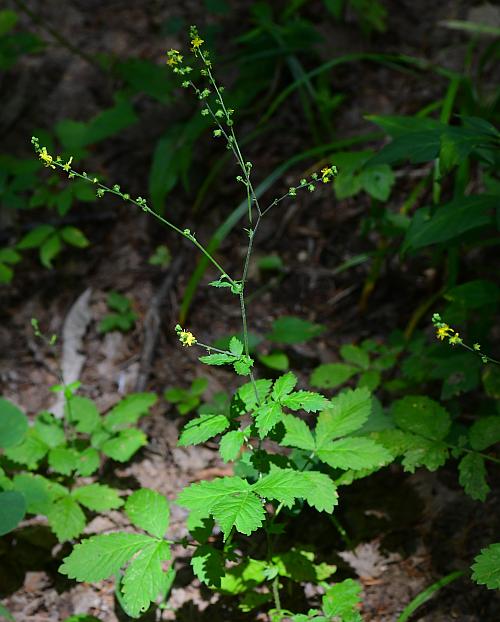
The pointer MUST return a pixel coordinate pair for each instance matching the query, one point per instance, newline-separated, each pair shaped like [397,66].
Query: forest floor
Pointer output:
[408,530]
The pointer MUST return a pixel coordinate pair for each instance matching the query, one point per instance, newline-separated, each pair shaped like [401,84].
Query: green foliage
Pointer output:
[187,400]
[486,569]
[123,318]
[75,449]
[101,557]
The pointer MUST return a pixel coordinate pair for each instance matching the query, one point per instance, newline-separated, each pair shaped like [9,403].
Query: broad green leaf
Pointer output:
[230,445]
[346,413]
[35,491]
[305,400]
[266,417]
[50,430]
[129,411]
[36,237]
[275,360]
[30,451]
[420,415]
[354,453]
[247,392]
[342,599]
[75,237]
[63,460]
[242,511]
[123,446]
[118,302]
[202,428]
[319,491]
[208,565]
[243,577]
[474,294]
[50,249]
[472,476]
[426,453]
[377,181]
[148,510]
[143,580]
[66,518]
[12,510]
[8,19]
[147,77]
[450,220]
[283,386]
[283,485]
[484,432]
[297,434]
[83,413]
[13,424]
[201,496]
[235,346]
[100,557]
[355,355]
[370,380]
[200,527]
[289,330]
[243,365]
[218,358]
[486,569]
[97,497]
[87,462]
[332,375]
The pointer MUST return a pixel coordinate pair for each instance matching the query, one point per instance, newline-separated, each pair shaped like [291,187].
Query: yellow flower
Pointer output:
[46,157]
[174,58]
[455,339]
[67,166]
[187,338]
[443,331]
[196,43]
[327,174]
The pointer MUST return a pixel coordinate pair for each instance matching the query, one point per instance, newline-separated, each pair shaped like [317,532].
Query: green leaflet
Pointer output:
[332,375]
[13,424]
[199,497]
[242,510]
[83,413]
[230,445]
[305,400]
[354,453]
[267,416]
[144,578]
[484,433]
[202,428]
[420,415]
[66,518]
[148,510]
[208,565]
[297,434]
[124,445]
[97,497]
[486,569]
[100,557]
[347,413]
[472,476]
[129,411]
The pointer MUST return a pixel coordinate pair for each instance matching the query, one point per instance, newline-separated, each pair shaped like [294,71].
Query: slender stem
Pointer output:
[276,593]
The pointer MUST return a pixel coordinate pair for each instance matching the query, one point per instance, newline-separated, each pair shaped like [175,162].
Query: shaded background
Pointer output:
[88,78]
